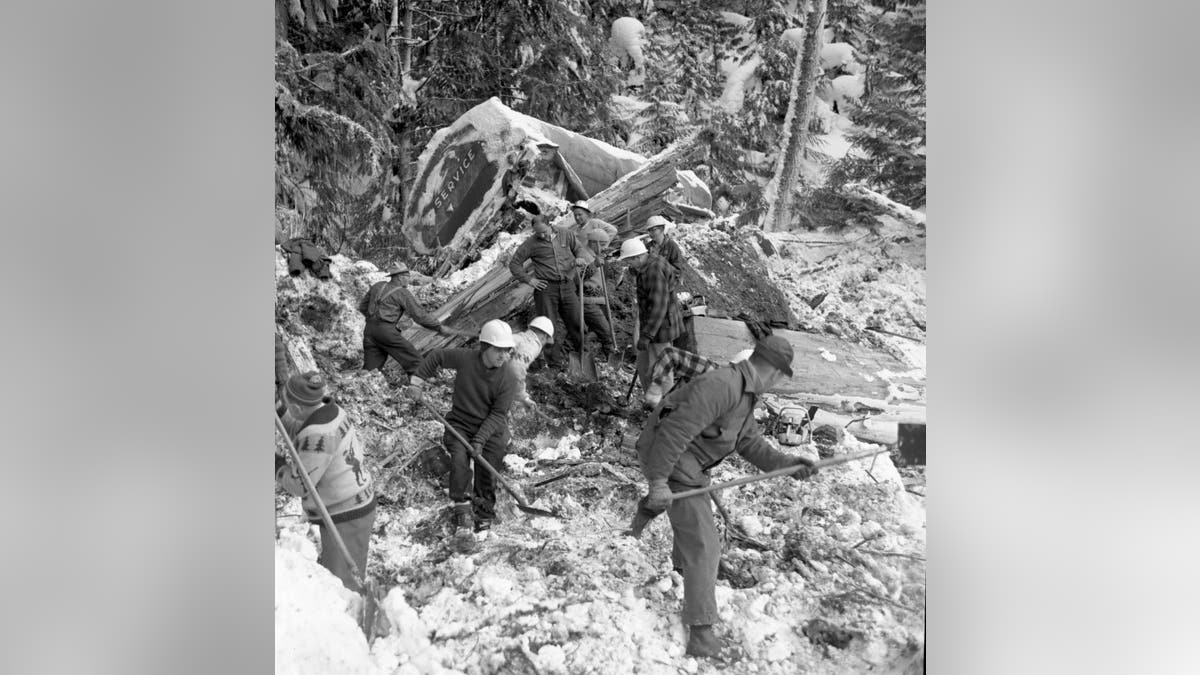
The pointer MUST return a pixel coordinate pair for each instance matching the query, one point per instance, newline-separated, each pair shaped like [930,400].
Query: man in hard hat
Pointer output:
[555,258]
[484,391]
[692,430]
[588,223]
[529,344]
[662,245]
[391,308]
[660,317]
[681,366]
[332,454]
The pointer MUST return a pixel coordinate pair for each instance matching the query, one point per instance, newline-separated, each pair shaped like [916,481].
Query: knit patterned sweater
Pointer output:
[332,453]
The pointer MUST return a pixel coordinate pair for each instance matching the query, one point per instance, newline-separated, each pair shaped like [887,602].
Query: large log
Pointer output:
[497,295]
[893,208]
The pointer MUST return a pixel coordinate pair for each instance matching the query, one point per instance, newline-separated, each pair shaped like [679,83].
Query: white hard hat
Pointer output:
[497,334]
[581,204]
[742,355]
[544,324]
[632,247]
[657,221]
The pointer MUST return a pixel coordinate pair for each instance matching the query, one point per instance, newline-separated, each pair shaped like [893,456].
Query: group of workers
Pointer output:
[690,429]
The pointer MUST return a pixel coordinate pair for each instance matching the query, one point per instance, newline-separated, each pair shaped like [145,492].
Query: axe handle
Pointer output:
[777,472]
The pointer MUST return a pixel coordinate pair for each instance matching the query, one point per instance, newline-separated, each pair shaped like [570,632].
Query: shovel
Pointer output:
[366,620]
[522,502]
[644,515]
[582,365]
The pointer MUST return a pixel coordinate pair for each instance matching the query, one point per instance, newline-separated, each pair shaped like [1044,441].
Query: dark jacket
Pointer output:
[698,425]
[394,304]
[303,253]
[482,396]
[552,260]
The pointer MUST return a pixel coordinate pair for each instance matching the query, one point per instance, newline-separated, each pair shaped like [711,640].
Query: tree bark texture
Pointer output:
[779,214]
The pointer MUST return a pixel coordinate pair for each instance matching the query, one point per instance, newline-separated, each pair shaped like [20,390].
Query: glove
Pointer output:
[643,343]
[659,497]
[581,262]
[443,330]
[809,469]
[413,390]
[654,394]
[477,447]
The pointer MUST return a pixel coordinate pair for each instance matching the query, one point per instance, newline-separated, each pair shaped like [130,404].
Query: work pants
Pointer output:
[697,552]
[483,497]
[356,534]
[645,363]
[560,300]
[381,340]
[597,322]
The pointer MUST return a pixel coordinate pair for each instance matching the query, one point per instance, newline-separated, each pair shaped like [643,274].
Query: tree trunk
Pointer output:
[405,149]
[779,210]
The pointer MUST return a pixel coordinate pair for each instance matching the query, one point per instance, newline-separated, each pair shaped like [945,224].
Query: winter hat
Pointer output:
[306,388]
[777,352]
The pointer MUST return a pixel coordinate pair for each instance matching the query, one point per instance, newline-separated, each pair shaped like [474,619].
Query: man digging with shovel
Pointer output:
[328,446]
[483,394]
[692,430]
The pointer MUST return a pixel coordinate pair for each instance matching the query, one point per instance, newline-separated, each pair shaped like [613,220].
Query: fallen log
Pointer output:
[893,208]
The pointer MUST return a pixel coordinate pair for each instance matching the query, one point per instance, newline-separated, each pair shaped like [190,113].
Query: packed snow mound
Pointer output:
[315,629]
[628,37]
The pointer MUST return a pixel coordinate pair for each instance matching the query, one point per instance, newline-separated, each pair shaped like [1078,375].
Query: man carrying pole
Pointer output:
[331,453]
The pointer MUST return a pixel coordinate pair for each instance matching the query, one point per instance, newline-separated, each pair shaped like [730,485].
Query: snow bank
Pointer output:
[315,628]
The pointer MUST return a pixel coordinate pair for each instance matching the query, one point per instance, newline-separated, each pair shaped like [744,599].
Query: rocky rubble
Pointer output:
[824,575]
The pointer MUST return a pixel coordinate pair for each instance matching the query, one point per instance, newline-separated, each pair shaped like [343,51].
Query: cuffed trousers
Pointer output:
[560,299]
[381,340]
[483,497]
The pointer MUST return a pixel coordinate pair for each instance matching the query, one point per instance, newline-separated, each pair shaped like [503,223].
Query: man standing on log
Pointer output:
[390,308]
[555,258]
[484,389]
[659,314]
[692,430]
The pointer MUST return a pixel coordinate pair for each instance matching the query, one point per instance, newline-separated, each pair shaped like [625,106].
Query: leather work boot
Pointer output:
[483,529]
[464,528]
[702,641]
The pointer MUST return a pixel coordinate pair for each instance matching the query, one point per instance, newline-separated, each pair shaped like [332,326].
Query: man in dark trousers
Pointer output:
[390,308]
[484,392]
[661,318]
[692,430]
[332,454]
[555,258]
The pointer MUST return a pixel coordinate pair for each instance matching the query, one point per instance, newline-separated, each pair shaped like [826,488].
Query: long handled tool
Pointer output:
[612,335]
[365,588]
[582,365]
[522,502]
[643,516]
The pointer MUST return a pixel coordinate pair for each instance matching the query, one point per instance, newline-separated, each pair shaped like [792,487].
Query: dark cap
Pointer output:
[777,352]
[398,268]
[306,388]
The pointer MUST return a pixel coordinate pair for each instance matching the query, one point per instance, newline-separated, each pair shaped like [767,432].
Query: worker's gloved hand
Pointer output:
[478,447]
[659,497]
[581,262]
[654,394]
[414,388]
[643,344]
[809,469]
[444,330]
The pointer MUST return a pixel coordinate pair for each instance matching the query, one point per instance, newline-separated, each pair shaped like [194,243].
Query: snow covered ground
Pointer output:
[828,574]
